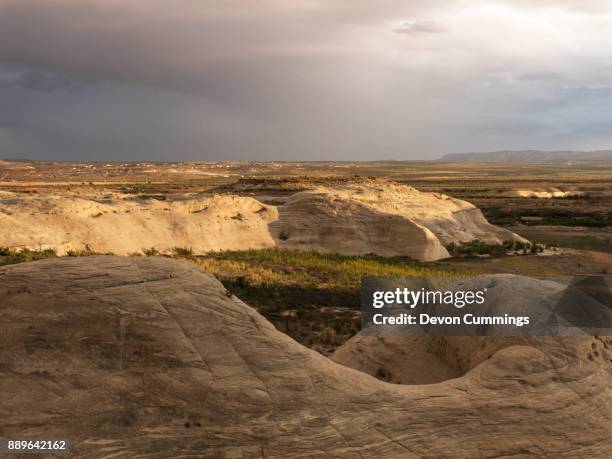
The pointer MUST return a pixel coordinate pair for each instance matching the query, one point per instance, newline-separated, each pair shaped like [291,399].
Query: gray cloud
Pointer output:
[308,79]
[419,26]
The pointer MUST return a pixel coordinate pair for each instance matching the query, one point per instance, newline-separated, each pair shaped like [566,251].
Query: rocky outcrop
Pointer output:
[416,358]
[150,357]
[328,222]
[122,225]
[545,194]
[386,219]
[377,218]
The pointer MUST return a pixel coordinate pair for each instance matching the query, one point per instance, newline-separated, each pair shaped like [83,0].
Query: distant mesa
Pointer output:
[376,217]
[528,156]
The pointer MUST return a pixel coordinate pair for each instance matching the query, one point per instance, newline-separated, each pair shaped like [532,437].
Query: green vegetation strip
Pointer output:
[307,268]
[10,256]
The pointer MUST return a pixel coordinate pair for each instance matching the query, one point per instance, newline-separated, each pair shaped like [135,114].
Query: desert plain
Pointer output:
[212,309]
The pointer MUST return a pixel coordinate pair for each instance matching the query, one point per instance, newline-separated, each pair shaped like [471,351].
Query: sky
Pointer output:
[190,80]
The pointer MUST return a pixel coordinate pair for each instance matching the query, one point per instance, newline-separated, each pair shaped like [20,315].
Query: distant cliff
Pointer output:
[528,156]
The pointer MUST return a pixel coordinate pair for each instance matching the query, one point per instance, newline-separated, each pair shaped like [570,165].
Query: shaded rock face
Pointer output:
[151,357]
[388,220]
[580,306]
[327,223]
[383,219]
[425,359]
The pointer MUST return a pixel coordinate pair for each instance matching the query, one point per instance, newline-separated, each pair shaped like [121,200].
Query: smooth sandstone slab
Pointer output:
[150,357]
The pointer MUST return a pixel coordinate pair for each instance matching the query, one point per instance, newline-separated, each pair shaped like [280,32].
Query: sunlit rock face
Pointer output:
[373,218]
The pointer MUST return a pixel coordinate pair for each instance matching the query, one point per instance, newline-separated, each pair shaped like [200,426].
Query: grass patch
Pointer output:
[309,268]
[313,297]
[547,216]
[575,241]
[12,256]
[479,248]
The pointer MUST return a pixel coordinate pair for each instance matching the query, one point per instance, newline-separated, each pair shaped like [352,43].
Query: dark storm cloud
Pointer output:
[34,79]
[307,79]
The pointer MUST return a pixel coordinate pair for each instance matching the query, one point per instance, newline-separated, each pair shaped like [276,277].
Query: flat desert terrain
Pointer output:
[213,309]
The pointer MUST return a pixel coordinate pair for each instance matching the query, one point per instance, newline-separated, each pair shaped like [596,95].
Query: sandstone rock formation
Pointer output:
[405,355]
[545,194]
[150,357]
[389,219]
[123,225]
[380,218]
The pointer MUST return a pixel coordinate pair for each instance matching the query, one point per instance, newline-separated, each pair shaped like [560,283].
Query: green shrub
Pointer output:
[10,256]
[150,252]
[183,251]
[479,248]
